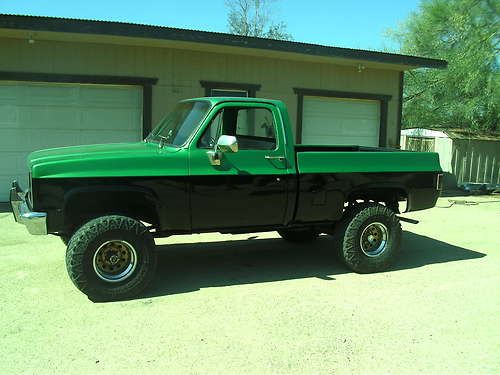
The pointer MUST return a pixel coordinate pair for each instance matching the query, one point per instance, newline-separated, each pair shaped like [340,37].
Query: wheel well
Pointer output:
[82,207]
[388,196]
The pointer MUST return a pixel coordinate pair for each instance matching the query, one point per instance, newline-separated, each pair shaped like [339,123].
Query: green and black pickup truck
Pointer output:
[225,165]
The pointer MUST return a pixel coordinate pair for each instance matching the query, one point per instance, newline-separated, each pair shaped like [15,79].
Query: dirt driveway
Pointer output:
[255,304]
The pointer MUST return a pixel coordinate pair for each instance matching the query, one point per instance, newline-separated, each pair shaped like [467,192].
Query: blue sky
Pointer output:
[354,24]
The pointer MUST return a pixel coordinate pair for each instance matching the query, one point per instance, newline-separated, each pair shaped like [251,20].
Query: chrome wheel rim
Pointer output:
[115,261]
[374,239]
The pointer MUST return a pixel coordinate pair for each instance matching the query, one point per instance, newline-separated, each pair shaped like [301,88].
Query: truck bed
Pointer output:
[343,148]
[352,159]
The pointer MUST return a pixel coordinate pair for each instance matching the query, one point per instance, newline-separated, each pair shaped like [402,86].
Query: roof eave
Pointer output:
[63,25]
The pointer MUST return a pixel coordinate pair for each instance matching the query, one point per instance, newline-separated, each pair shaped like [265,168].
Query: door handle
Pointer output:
[271,157]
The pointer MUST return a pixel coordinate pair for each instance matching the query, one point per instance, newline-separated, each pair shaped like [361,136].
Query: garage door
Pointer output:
[34,116]
[340,121]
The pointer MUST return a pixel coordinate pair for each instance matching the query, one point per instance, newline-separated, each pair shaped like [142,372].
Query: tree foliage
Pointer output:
[466,95]
[252,18]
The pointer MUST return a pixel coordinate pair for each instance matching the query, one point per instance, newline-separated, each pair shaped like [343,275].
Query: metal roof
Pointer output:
[84,26]
[453,133]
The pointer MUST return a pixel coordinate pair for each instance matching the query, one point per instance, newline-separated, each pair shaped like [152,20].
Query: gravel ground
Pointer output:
[255,304]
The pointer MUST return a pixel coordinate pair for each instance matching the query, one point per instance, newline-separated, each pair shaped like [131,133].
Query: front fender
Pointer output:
[84,203]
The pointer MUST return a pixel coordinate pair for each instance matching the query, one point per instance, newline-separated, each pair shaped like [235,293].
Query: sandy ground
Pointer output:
[255,304]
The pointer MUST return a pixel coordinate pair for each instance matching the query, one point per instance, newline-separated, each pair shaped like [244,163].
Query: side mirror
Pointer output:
[225,143]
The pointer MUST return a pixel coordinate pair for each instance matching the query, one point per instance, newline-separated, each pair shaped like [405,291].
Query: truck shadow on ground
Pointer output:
[190,267]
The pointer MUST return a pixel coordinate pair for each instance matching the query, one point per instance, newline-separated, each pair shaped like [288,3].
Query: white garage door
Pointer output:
[34,116]
[337,121]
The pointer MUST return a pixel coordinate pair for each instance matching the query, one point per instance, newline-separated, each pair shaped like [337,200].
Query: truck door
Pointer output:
[249,187]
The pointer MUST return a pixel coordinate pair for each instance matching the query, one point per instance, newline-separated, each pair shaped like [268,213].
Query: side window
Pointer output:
[212,132]
[255,129]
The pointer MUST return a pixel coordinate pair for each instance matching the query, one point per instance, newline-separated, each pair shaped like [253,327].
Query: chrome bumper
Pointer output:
[35,222]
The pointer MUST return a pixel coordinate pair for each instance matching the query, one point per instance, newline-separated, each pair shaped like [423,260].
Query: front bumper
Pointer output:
[35,222]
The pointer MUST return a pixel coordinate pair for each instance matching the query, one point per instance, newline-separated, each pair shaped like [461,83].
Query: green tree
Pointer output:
[466,95]
[252,18]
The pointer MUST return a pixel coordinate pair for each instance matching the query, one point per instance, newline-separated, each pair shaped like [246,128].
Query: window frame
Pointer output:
[207,128]
[229,92]
[250,88]
[241,105]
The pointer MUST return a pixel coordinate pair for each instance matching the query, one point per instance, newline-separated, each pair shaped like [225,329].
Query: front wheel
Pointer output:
[368,238]
[111,258]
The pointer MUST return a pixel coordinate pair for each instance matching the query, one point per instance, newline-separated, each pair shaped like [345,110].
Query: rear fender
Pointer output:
[390,194]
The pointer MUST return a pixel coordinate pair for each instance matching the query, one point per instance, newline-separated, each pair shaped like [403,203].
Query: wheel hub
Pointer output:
[115,261]
[374,239]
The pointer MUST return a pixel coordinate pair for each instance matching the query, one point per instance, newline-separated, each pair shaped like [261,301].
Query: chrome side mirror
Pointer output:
[225,143]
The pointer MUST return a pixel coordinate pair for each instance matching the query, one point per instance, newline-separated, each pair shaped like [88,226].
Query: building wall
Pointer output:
[476,161]
[179,72]
[444,147]
[464,160]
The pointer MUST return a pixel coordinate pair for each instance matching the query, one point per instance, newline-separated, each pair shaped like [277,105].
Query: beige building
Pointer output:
[67,81]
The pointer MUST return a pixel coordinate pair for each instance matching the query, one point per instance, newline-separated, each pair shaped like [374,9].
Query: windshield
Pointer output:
[177,126]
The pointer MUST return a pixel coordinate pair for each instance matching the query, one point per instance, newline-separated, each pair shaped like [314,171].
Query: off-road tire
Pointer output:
[65,239]
[298,235]
[350,229]
[86,241]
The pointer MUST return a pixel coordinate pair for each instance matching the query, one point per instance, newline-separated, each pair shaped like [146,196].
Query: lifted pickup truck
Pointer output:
[225,165]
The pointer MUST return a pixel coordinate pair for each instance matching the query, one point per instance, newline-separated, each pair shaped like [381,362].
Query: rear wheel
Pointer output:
[65,239]
[298,235]
[368,238]
[111,258]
